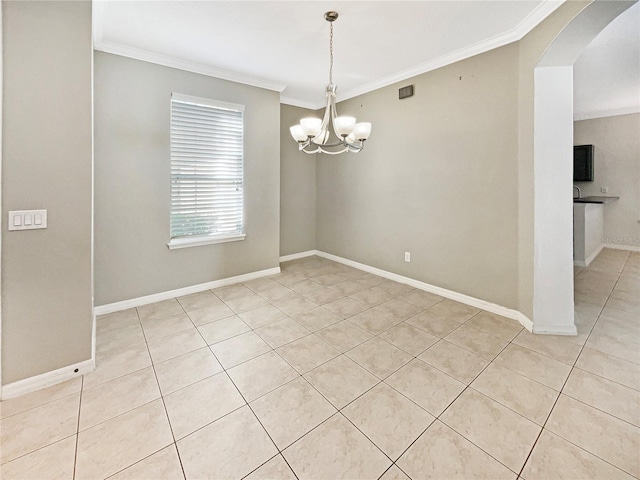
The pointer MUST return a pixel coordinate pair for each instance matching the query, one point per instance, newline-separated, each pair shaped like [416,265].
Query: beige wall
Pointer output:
[132,181]
[297,188]
[46,164]
[616,166]
[446,175]
[438,178]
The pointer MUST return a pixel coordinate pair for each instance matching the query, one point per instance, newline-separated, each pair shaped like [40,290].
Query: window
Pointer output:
[206,171]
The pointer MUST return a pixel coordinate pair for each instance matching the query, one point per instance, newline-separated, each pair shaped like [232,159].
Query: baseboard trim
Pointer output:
[94,332]
[296,256]
[568,330]
[47,379]
[619,246]
[157,297]
[443,292]
[591,258]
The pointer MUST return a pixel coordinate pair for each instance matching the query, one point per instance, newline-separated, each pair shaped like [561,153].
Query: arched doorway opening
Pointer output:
[552,306]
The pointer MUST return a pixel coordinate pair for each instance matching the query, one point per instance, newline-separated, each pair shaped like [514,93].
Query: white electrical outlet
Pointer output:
[407,256]
[604,189]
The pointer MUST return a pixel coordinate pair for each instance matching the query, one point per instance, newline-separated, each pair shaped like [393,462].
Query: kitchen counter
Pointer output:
[595,199]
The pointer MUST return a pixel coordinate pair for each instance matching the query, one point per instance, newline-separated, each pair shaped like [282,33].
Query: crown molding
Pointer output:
[434,64]
[97,20]
[294,102]
[168,61]
[613,112]
[536,16]
[98,15]
[541,12]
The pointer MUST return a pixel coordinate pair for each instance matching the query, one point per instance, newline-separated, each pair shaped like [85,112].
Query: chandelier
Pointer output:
[312,134]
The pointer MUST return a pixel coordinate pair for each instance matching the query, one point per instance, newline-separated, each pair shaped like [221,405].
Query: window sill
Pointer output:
[196,241]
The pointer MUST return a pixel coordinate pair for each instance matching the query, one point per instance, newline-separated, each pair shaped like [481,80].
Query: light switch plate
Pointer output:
[27,219]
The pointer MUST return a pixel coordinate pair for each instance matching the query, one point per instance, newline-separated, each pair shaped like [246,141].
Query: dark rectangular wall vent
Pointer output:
[405,92]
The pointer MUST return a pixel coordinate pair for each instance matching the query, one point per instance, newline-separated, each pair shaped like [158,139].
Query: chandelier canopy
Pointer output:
[312,134]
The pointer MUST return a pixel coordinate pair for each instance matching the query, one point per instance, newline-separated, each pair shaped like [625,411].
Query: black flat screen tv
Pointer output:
[583,163]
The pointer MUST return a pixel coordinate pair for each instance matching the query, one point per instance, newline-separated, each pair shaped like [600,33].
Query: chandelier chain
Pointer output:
[331,53]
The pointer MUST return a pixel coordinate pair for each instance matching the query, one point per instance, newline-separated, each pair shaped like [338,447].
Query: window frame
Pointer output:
[185,241]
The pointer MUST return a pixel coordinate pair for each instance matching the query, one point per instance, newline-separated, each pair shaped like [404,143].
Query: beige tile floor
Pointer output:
[327,372]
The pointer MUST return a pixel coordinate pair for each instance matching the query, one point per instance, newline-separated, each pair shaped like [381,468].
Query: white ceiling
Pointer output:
[283,45]
[606,76]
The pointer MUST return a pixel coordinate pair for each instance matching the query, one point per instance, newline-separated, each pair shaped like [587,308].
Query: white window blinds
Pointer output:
[206,169]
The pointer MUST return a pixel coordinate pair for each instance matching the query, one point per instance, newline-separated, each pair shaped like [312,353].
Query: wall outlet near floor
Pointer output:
[407,256]
[604,189]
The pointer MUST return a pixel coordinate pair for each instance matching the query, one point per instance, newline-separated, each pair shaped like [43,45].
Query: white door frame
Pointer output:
[1,145]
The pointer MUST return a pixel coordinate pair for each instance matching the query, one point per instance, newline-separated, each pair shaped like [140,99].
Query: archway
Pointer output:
[553,302]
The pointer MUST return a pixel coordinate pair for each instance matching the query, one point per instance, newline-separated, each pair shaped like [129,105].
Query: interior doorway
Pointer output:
[553,301]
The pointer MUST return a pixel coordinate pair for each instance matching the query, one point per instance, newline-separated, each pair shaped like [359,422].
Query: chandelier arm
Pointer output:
[348,147]
[317,150]
[339,144]
[334,114]
[355,148]
[324,128]
[327,152]
[356,144]
[338,152]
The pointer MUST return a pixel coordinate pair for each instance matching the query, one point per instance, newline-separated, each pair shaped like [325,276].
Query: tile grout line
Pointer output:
[40,404]
[224,370]
[556,400]
[338,411]
[561,393]
[174,443]
[310,333]
[254,415]
[378,383]
[166,413]
[36,450]
[286,316]
[468,386]
[383,381]
[289,465]
[75,455]
[164,405]
[437,417]
[299,375]
[608,379]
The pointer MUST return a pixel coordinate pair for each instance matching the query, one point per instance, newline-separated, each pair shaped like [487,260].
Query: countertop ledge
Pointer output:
[595,199]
